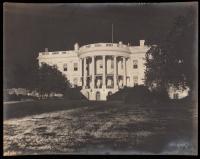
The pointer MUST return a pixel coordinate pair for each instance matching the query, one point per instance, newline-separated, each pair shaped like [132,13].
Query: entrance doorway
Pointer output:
[98,96]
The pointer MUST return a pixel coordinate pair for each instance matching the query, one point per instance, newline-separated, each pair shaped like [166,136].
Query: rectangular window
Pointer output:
[101,64]
[65,67]
[135,64]
[112,64]
[75,66]
[109,44]
[55,66]
[121,65]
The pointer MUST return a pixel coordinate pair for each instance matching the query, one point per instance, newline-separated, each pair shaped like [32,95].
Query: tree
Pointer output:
[171,62]
[50,80]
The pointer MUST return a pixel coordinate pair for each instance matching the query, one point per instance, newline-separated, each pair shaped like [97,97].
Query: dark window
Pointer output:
[109,44]
[121,65]
[112,64]
[101,64]
[65,67]
[135,64]
[75,66]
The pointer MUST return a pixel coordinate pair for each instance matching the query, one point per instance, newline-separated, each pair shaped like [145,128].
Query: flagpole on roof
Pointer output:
[112,33]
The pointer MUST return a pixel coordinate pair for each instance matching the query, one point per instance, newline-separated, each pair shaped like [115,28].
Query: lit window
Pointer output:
[65,67]
[101,64]
[75,66]
[135,80]
[112,64]
[135,64]
[121,65]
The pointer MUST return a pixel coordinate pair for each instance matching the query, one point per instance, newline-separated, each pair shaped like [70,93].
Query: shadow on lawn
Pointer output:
[27,108]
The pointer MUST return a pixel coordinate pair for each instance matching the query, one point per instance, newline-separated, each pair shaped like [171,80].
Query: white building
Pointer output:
[100,69]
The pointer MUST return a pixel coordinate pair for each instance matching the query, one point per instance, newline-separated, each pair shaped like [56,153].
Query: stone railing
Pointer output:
[104,46]
[55,53]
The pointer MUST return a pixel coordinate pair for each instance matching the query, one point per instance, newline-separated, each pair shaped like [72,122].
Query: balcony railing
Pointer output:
[104,45]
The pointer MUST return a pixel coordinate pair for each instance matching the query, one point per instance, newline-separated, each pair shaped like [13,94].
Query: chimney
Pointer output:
[46,50]
[120,42]
[76,46]
[142,42]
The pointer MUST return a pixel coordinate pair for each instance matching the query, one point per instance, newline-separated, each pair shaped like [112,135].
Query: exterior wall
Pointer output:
[60,59]
[103,68]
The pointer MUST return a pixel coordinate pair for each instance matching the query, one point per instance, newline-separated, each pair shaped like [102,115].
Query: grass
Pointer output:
[83,127]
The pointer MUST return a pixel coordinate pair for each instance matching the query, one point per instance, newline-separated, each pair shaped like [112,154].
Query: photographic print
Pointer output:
[100,78]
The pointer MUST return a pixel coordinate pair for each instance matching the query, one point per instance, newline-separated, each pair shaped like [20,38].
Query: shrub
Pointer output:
[138,95]
[74,94]
[13,97]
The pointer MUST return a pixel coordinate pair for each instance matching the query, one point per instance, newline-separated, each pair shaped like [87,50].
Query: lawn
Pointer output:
[83,127]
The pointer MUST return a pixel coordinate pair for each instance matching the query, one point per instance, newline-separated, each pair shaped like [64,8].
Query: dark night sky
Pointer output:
[29,28]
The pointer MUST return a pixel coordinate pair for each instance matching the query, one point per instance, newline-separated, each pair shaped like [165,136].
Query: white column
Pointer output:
[81,70]
[85,73]
[104,72]
[115,72]
[93,71]
[124,71]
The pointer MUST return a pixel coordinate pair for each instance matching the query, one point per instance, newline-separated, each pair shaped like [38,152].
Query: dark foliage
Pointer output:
[140,95]
[74,94]
[172,61]
[19,97]
[50,79]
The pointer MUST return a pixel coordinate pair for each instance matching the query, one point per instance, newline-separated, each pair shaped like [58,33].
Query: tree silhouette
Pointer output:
[171,62]
[50,80]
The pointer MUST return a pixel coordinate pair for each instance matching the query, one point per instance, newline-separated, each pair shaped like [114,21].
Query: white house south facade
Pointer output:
[101,69]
